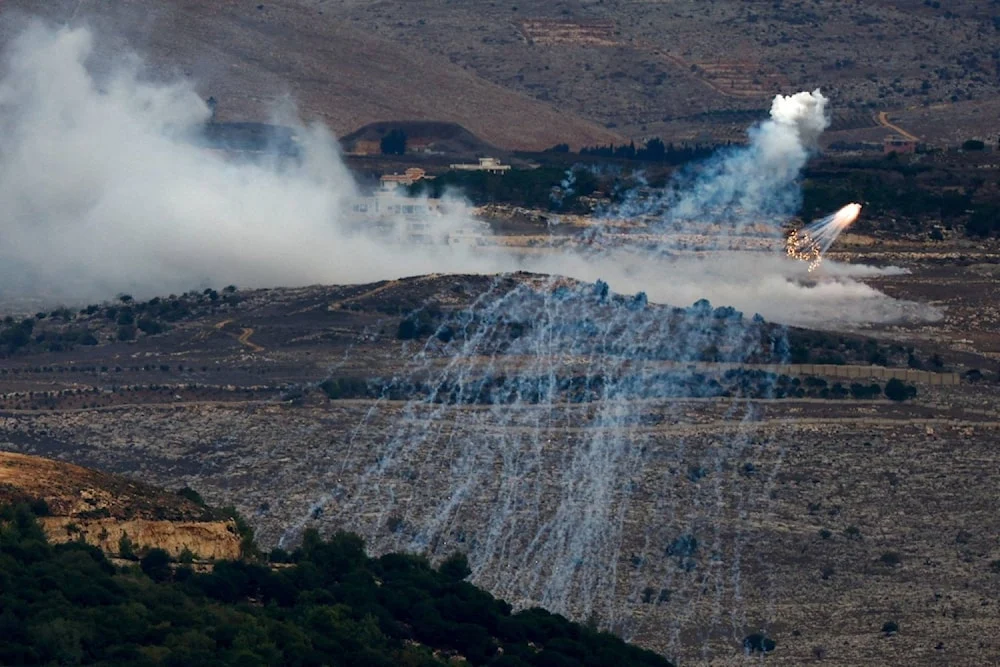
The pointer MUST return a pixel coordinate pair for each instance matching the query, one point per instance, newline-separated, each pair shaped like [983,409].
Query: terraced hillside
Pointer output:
[532,74]
[706,508]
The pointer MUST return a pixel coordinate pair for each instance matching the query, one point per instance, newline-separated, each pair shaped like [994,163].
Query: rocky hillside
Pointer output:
[326,603]
[250,57]
[114,513]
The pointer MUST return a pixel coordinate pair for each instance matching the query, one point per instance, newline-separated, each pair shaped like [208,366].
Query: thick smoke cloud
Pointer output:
[106,190]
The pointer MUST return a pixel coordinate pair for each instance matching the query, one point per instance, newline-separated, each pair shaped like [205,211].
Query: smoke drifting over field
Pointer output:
[104,190]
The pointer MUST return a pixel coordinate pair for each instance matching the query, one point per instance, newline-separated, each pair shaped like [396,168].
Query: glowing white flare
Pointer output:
[847,215]
[810,243]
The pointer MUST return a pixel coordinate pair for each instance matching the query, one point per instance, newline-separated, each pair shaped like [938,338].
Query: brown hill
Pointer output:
[101,509]
[450,138]
[532,74]
[250,56]
[680,68]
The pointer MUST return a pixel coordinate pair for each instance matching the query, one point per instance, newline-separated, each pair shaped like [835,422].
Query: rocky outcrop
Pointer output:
[112,512]
[204,540]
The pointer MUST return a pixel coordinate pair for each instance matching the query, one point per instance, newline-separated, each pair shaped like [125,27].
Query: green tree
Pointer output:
[126,549]
[984,221]
[897,390]
[156,565]
[394,142]
[456,567]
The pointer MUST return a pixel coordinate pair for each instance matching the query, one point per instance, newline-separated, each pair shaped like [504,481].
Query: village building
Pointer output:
[488,164]
[897,144]
[407,178]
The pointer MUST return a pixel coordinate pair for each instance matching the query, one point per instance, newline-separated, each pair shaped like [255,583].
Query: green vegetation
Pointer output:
[394,143]
[891,558]
[897,390]
[25,334]
[336,388]
[654,151]
[758,643]
[821,347]
[984,221]
[67,604]
[123,320]
[906,196]
[536,188]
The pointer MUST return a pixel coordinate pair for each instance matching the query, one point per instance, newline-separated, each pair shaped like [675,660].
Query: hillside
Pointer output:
[250,57]
[109,511]
[801,500]
[327,603]
[684,68]
[530,74]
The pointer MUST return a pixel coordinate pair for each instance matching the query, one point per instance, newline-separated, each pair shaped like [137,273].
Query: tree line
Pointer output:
[329,604]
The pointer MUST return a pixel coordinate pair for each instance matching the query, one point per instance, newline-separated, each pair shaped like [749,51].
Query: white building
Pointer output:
[487,164]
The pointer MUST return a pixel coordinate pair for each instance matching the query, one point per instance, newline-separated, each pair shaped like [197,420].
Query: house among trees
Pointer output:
[897,144]
[407,178]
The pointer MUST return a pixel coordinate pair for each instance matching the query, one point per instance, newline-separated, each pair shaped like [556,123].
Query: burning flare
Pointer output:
[810,243]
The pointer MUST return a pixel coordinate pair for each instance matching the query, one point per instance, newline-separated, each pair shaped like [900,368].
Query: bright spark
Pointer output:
[810,243]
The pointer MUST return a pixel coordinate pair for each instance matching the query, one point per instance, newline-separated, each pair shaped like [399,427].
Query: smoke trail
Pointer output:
[107,187]
[564,189]
[748,184]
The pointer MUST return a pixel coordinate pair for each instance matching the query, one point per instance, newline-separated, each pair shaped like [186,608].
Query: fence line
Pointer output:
[840,371]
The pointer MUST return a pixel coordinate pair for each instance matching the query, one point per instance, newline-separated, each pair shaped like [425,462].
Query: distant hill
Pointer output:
[251,56]
[421,136]
[531,74]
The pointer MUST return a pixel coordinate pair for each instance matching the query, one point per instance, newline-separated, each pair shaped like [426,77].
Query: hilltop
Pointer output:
[325,603]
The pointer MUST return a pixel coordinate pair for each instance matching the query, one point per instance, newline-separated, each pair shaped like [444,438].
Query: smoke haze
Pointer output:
[104,190]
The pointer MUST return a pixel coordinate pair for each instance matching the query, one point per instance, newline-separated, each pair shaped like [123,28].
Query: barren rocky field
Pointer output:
[681,523]
[647,67]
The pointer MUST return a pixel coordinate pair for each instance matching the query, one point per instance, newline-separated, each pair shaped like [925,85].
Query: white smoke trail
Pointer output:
[757,183]
[105,189]
[748,184]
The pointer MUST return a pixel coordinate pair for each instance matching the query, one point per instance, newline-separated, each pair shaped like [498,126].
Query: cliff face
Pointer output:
[206,540]
[101,509]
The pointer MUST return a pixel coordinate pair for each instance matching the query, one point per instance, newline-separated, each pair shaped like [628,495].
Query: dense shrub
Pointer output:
[758,643]
[67,604]
[897,390]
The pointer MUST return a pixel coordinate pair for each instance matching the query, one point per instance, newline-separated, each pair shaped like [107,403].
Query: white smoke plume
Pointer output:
[105,190]
[748,184]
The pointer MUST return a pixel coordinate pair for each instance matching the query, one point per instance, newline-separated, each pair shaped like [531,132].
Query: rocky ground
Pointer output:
[109,510]
[682,524]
